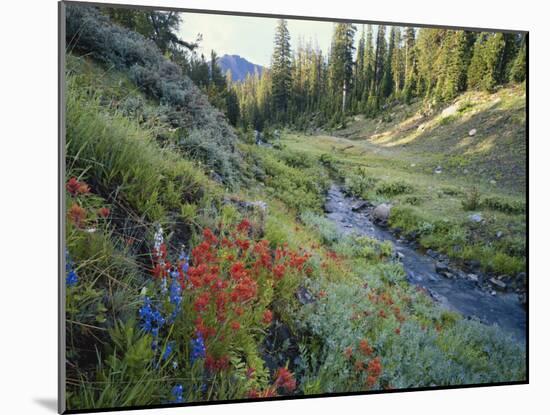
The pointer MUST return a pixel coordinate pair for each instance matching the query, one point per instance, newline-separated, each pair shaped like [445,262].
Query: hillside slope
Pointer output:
[480,137]
[183,114]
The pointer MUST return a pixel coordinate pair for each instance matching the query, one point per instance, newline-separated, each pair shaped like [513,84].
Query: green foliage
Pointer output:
[394,188]
[299,188]
[503,205]
[472,200]
[432,346]
[127,164]
[326,229]
[359,183]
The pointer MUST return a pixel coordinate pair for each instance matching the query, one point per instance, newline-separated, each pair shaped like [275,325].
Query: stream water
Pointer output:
[460,295]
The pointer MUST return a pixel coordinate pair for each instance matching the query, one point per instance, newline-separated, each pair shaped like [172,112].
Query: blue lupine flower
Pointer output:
[175,292]
[177,393]
[168,351]
[72,278]
[198,350]
[152,319]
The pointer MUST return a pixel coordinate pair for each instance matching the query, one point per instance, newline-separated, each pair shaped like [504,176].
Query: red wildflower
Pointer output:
[209,237]
[348,352]
[244,226]
[371,381]
[77,215]
[158,271]
[245,290]
[267,393]
[238,271]
[195,275]
[244,244]
[253,394]
[285,379]
[322,294]
[279,271]
[398,331]
[104,212]
[235,325]
[250,372]
[374,368]
[268,316]
[83,188]
[226,243]
[202,301]
[212,364]
[365,348]
[239,311]
[72,186]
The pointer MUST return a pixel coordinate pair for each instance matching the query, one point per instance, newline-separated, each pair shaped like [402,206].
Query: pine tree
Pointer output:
[379,61]
[397,62]
[519,65]
[216,77]
[341,61]
[281,69]
[410,63]
[232,107]
[483,72]
[451,65]
[368,65]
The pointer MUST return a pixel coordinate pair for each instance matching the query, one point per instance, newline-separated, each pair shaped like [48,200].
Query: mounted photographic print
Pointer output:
[259,207]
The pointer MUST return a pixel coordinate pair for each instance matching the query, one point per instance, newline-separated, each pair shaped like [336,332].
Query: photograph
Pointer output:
[259,207]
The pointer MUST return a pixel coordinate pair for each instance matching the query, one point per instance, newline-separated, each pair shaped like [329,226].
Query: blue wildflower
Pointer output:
[198,349]
[71,278]
[177,393]
[168,351]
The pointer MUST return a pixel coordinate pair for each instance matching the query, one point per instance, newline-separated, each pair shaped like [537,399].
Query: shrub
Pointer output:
[390,189]
[326,229]
[514,207]
[472,200]
[359,183]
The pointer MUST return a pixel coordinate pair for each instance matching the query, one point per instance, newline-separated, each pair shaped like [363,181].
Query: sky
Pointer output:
[249,37]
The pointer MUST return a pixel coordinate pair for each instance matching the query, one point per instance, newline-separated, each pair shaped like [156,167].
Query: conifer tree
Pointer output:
[519,64]
[281,69]
[410,63]
[341,61]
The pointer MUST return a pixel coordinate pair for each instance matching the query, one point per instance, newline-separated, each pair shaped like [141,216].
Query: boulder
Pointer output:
[441,267]
[452,110]
[498,284]
[476,217]
[472,277]
[472,132]
[381,212]
[360,206]
[304,296]
[438,170]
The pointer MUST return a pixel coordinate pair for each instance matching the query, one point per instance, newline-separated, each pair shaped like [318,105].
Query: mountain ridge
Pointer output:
[240,67]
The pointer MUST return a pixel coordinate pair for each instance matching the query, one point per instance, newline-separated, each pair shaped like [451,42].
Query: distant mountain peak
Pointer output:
[240,67]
